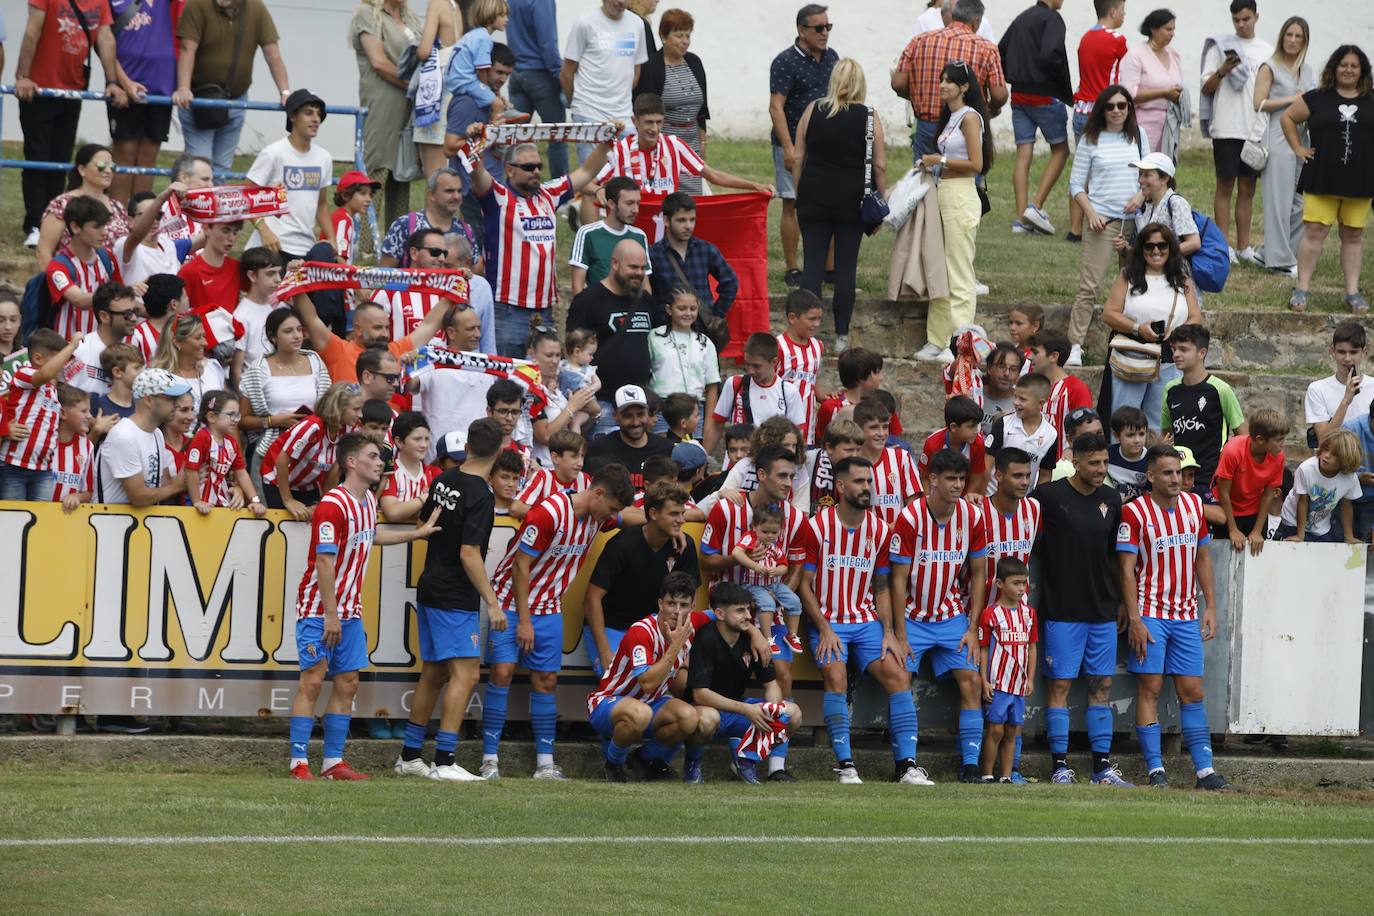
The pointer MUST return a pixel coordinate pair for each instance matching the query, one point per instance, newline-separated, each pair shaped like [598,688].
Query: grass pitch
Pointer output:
[208,844]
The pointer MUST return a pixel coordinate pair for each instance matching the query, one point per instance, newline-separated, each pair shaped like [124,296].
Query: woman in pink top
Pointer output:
[1153,75]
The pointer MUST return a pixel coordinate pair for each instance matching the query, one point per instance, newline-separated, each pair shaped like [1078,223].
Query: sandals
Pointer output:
[1357,304]
[1297,302]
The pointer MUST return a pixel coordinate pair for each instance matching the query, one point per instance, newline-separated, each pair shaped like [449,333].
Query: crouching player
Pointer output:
[1007,636]
[330,640]
[717,674]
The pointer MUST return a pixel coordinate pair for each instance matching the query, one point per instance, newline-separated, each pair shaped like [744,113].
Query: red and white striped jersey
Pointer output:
[83,275]
[543,483]
[73,468]
[657,170]
[35,406]
[522,236]
[1068,394]
[311,451]
[1165,542]
[144,338]
[405,486]
[895,482]
[344,526]
[936,554]
[728,524]
[345,234]
[558,541]
[1008,634]
[216,462]
[642,647]
[1009,535]
[800,364]
[406,308]
[845,561]
[773,556]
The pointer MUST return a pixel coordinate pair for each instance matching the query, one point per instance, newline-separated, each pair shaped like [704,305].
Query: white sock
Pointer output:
[777,763]
[1205,772]
[298,761]
[330,762]
[543,760]
[488,758]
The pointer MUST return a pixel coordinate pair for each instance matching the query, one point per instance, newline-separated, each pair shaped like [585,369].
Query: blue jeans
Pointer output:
[769,598]
[1148,396]
[513,327]
[538,92]
[218,144]
[1364,518]
[24,485]
[923,139]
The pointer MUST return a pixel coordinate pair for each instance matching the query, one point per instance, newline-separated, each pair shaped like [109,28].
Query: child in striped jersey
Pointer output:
[406,486]
[763,577]
[74,461]
[216,476]
[1007,637]
[31,404]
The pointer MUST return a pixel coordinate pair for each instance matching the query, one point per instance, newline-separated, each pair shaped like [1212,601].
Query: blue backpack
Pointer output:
[36,307]
[1212,262]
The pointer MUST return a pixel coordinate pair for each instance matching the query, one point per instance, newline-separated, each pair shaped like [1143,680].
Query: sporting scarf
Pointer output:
[509,134]
[523,372]
[312,276]
[174,226]
[756,744]
[234,203]
[963,375]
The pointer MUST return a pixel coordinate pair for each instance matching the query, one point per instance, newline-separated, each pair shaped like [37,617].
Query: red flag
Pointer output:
[737,224]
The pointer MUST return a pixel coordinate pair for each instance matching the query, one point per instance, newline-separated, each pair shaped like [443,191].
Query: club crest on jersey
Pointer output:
[1102,507]
[326,532]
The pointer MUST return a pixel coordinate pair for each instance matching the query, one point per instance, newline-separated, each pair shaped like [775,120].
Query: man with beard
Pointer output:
[631,444]
[371,328]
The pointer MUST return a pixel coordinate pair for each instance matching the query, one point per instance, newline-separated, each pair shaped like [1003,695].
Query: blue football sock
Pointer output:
[1099,719]
[615,753]
[970,735]
[1149,746]
[493,717]
[301,727]
[1192,718]
[1016,757]
[694,754]
[1057,728]
[415,736]
[653,750]
[836,713]
[733,743]
[543,720]
[335,733]
[901,724]
[446,741]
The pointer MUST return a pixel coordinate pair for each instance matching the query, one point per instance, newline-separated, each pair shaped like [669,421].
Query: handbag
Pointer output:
[873,210]
[409,62]
[1134,360]
[215,118]
[407,165]
[906,195]
[1254,152]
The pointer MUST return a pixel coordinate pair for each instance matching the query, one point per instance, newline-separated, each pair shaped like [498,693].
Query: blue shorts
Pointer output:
[547,654]
[1080,124]
[1051,120]
[866,639]
[1006,709]
[782,176]
[348,654]
[613,637]
[1073,649]
[446,634]
[1177,648]
[604,725]
[941,640]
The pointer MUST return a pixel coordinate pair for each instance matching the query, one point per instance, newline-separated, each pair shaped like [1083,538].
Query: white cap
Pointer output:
[1156,161]
[629,395]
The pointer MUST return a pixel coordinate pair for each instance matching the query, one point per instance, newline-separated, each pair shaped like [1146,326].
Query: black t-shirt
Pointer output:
[1077,552]
[632,573]
[612,449]
[726,669]
[1197,418]
[467,508]
[1342,132]
[622,325]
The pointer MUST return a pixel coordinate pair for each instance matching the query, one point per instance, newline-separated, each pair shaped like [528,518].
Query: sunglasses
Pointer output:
[391,377]
[821,28]
[435,252]
[530,167]
[122,313]
[1155,246]
[103,166]
[1117,106]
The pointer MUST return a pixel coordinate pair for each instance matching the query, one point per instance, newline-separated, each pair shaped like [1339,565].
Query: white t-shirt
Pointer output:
[607,52]
[253,316]
[780,398]
[1324,396]
[83,369]
[1037,444]
[144,261]
[129,450]
[213,377]
[451,399]
[932,21]
[1324,495]
[304,175]
[1233,113]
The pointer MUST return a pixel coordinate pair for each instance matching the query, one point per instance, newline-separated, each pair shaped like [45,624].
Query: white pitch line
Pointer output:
[687,840]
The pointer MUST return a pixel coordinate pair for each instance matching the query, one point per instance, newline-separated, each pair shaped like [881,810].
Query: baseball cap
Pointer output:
[1078,416]
[155,382]
[629,395]
[1156,161]
[689,455]
[452,446]
[1186,456]
[355,178]
[299,98]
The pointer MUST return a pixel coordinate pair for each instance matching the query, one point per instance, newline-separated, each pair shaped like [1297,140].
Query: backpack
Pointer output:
[1212,262]
[36,307]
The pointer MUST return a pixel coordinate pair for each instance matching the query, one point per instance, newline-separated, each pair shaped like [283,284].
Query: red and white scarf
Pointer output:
[756,743]
[234,203]
[312,276]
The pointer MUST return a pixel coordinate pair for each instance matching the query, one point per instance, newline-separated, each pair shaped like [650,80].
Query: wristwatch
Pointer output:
[254,501]
[943,162]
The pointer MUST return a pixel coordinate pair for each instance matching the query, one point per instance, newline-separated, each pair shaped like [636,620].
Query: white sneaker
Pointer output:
[1232,253]
[1249,256]
[980,289]
[945,356]
[848,776]
[416,767]
[929,353]
[453,773]
[551,771]
[1075,356]
[916,776]
[1034,217]
[31,240]
[490,769]
[841,343]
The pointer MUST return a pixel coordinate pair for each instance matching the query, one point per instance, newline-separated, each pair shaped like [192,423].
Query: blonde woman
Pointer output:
[299,467]
[829,177]
[1280,82]
[443,28]
[644,9]
[379,33]
[181,351]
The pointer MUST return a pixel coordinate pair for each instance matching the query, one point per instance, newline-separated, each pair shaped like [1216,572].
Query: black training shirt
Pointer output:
[717,665]
[632,574]
[467,509]
[1077,550]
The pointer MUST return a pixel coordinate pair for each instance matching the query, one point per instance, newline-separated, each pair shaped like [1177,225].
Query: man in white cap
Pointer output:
[135,467]
[632,444]
[1158,202]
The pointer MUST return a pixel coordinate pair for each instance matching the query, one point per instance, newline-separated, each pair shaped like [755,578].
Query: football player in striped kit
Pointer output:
[1007,634]
[330,640]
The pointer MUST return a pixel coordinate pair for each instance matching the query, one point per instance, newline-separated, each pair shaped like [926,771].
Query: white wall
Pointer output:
[736,41]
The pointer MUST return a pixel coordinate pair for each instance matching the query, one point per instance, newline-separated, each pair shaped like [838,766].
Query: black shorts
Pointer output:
[140,122]
[1226,159]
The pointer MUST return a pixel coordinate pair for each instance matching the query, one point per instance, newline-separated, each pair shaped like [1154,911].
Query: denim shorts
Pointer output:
[782,177]
[1051,120]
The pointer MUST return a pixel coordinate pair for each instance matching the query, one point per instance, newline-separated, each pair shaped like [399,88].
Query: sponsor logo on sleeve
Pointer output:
[1123,533]
[640,657]
[530,536]
[326,533]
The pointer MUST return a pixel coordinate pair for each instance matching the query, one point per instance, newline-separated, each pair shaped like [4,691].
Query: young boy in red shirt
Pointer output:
[1248,475]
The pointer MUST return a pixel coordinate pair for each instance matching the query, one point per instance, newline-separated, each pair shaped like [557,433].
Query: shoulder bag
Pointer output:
[90,44]
[1134,360]
[873,210]
[1254,152]
[215,118]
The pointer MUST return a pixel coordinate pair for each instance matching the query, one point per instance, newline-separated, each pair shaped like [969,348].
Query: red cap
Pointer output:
[355,177]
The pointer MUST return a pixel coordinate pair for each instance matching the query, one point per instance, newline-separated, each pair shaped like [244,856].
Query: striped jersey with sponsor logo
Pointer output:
[406,309]
[216,462]
[1165,542]
[642,647]
[936,554]
[521,234]
[35,406]
[845,561]
[558,541]
[406,485]
[311,454]
[773,556]
[70,271]
[344,526]
[1010,534]
[543,483]
[656,170]
[800,364]
[144,338]
[728,524]
[895,482]
[73,468]
[1008,634]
